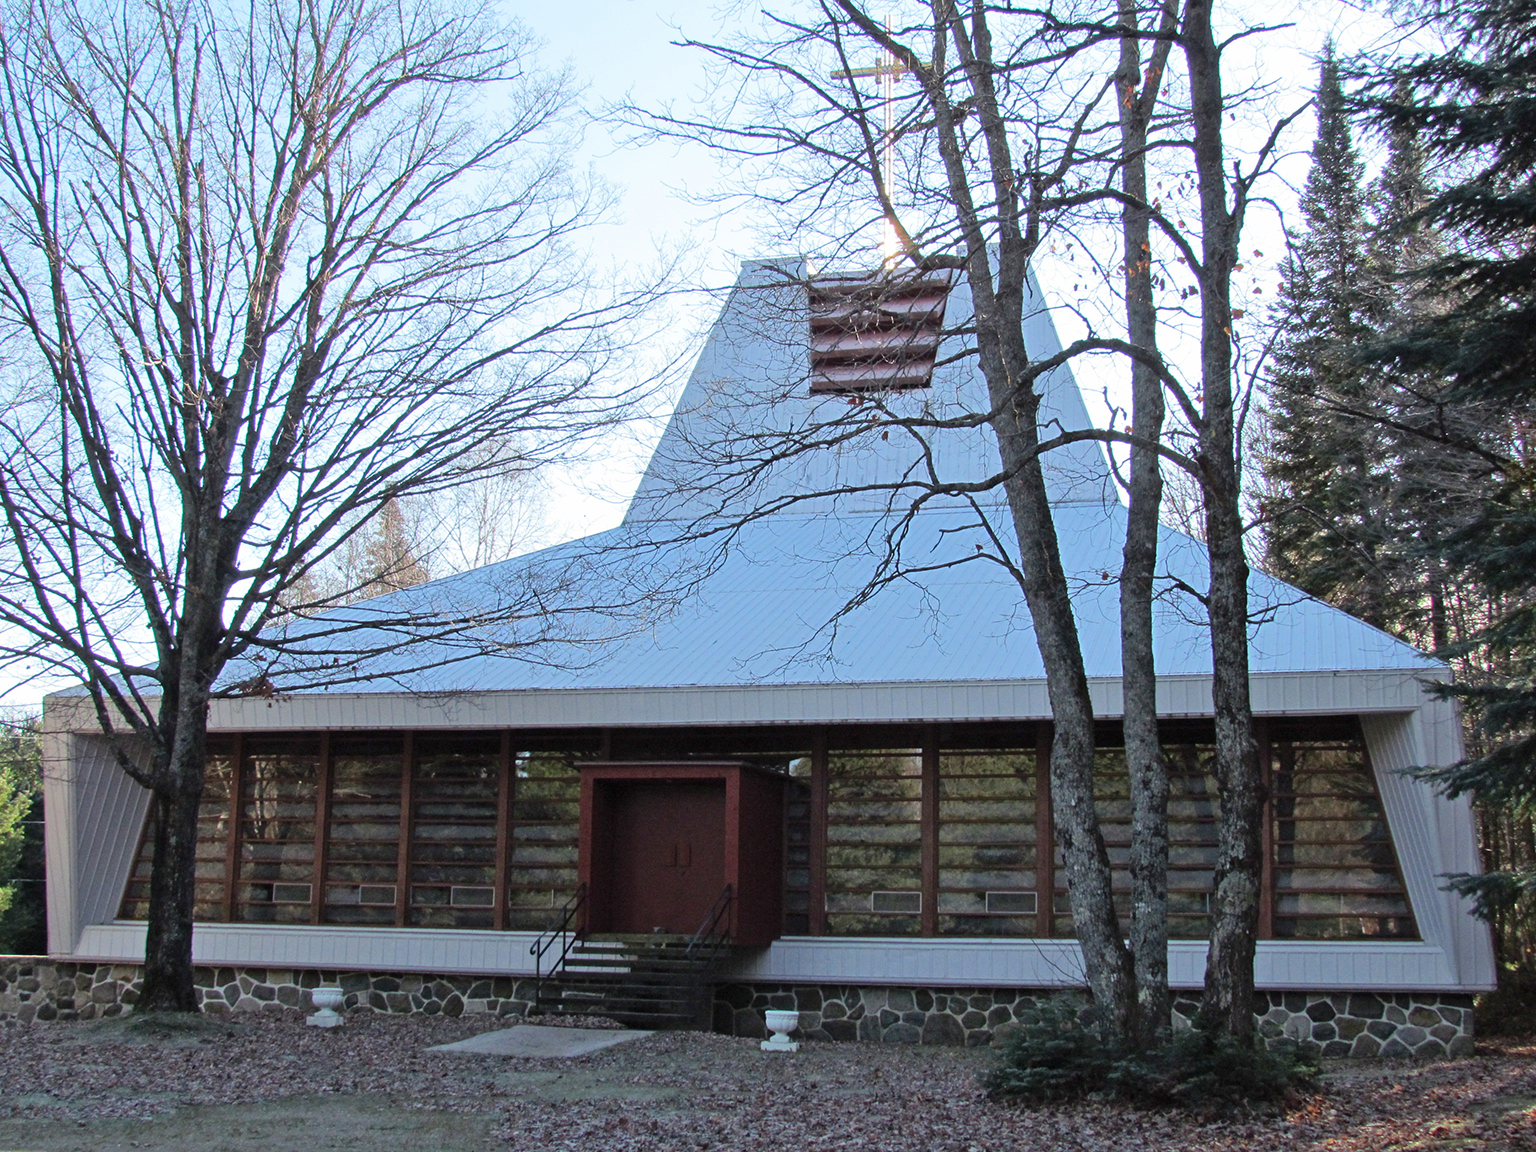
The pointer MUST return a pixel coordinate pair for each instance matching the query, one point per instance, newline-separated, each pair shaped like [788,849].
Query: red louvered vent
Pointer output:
[875,333]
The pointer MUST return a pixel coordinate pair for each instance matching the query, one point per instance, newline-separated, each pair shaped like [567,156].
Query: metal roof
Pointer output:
[758,614]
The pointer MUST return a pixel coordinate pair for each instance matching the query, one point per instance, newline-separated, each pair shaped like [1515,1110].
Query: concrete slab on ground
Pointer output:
[541,1040]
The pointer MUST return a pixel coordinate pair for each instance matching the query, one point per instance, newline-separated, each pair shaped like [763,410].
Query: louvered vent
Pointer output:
[875,333]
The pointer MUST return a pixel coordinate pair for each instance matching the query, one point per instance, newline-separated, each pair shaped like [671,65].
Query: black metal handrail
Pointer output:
[562,932]
[711,934]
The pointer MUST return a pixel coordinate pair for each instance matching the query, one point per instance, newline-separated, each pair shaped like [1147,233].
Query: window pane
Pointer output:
[278,784]
[874,841]
[454,793]
[362,853]
[987,843]
[1336,874]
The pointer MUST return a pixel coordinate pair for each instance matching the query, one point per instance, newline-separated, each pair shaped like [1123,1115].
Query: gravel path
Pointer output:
[120,1083]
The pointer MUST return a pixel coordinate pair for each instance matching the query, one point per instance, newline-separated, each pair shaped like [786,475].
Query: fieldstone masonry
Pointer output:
[37,989]
[1339,1024]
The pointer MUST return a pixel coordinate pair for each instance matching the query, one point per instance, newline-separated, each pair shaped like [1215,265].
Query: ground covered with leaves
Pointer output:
[269,1082]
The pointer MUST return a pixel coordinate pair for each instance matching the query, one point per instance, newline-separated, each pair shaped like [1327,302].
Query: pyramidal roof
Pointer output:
[772,510]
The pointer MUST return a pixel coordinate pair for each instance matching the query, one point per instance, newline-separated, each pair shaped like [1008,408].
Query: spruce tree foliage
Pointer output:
[21,838]
[1066,1053]
[1324,510]
[1464,352]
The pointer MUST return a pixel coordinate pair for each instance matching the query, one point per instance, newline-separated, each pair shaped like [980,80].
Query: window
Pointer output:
[797,848]
[276,852]
[545,836]
[987,843]
[362,854]
[212,845]
[874,841]
[1336,873]
[452,870]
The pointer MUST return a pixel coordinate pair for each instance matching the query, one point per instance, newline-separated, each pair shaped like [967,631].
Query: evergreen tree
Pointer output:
[1431,482]
[21,838]
[1323,466]
[1469,326]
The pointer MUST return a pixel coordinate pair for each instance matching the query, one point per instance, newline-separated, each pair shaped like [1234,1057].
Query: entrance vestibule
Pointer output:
[661,842]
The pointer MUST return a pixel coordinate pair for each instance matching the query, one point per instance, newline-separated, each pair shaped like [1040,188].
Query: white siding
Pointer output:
[95,814]
[1434,835]
[1378,966]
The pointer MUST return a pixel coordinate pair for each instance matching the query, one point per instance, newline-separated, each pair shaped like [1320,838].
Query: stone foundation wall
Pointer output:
[41,989]
[1340,1024]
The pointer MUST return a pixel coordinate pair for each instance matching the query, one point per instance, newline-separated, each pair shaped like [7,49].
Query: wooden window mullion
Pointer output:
[232,848]
[929,809]
[322,825]
[505,790]
[818,835]
[403,859]
[1045,835]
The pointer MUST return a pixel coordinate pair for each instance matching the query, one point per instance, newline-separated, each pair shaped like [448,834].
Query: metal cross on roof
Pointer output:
[889,69]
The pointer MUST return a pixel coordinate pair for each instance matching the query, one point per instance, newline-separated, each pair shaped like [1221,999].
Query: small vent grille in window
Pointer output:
[473,897]
[1010,903]
[909,903]
[875,333]
[290,893]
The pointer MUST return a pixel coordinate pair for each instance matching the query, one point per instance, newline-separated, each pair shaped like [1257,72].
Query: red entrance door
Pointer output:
[666,859]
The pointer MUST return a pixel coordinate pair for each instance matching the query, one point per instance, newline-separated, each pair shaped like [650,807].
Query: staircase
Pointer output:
[653,981]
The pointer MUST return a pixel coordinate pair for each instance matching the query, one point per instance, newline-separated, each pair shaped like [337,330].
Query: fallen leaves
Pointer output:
[693,1091]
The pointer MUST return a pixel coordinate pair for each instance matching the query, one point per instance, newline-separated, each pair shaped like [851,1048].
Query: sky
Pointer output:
[624,50]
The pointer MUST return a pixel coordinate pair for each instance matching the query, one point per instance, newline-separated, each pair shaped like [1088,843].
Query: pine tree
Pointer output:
[1469,326]
[1323,466]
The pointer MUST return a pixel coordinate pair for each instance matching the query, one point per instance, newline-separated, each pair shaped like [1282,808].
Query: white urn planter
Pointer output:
[327,998]
[781,1024]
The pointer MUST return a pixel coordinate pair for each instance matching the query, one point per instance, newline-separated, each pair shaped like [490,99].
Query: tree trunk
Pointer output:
[1227,1006]
[1004,359]
[1111,978]
[168,981]
[1143,748]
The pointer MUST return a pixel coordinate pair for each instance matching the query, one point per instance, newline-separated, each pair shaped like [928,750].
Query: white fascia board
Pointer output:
[1330,966]
[457,952]
[1273,694]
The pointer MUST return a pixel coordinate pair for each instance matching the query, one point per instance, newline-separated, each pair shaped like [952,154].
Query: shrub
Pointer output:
[1063,1054]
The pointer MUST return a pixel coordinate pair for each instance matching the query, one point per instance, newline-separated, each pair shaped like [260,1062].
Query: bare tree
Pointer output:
[968,189]
[265,272]
[998,141]
[1137,93]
